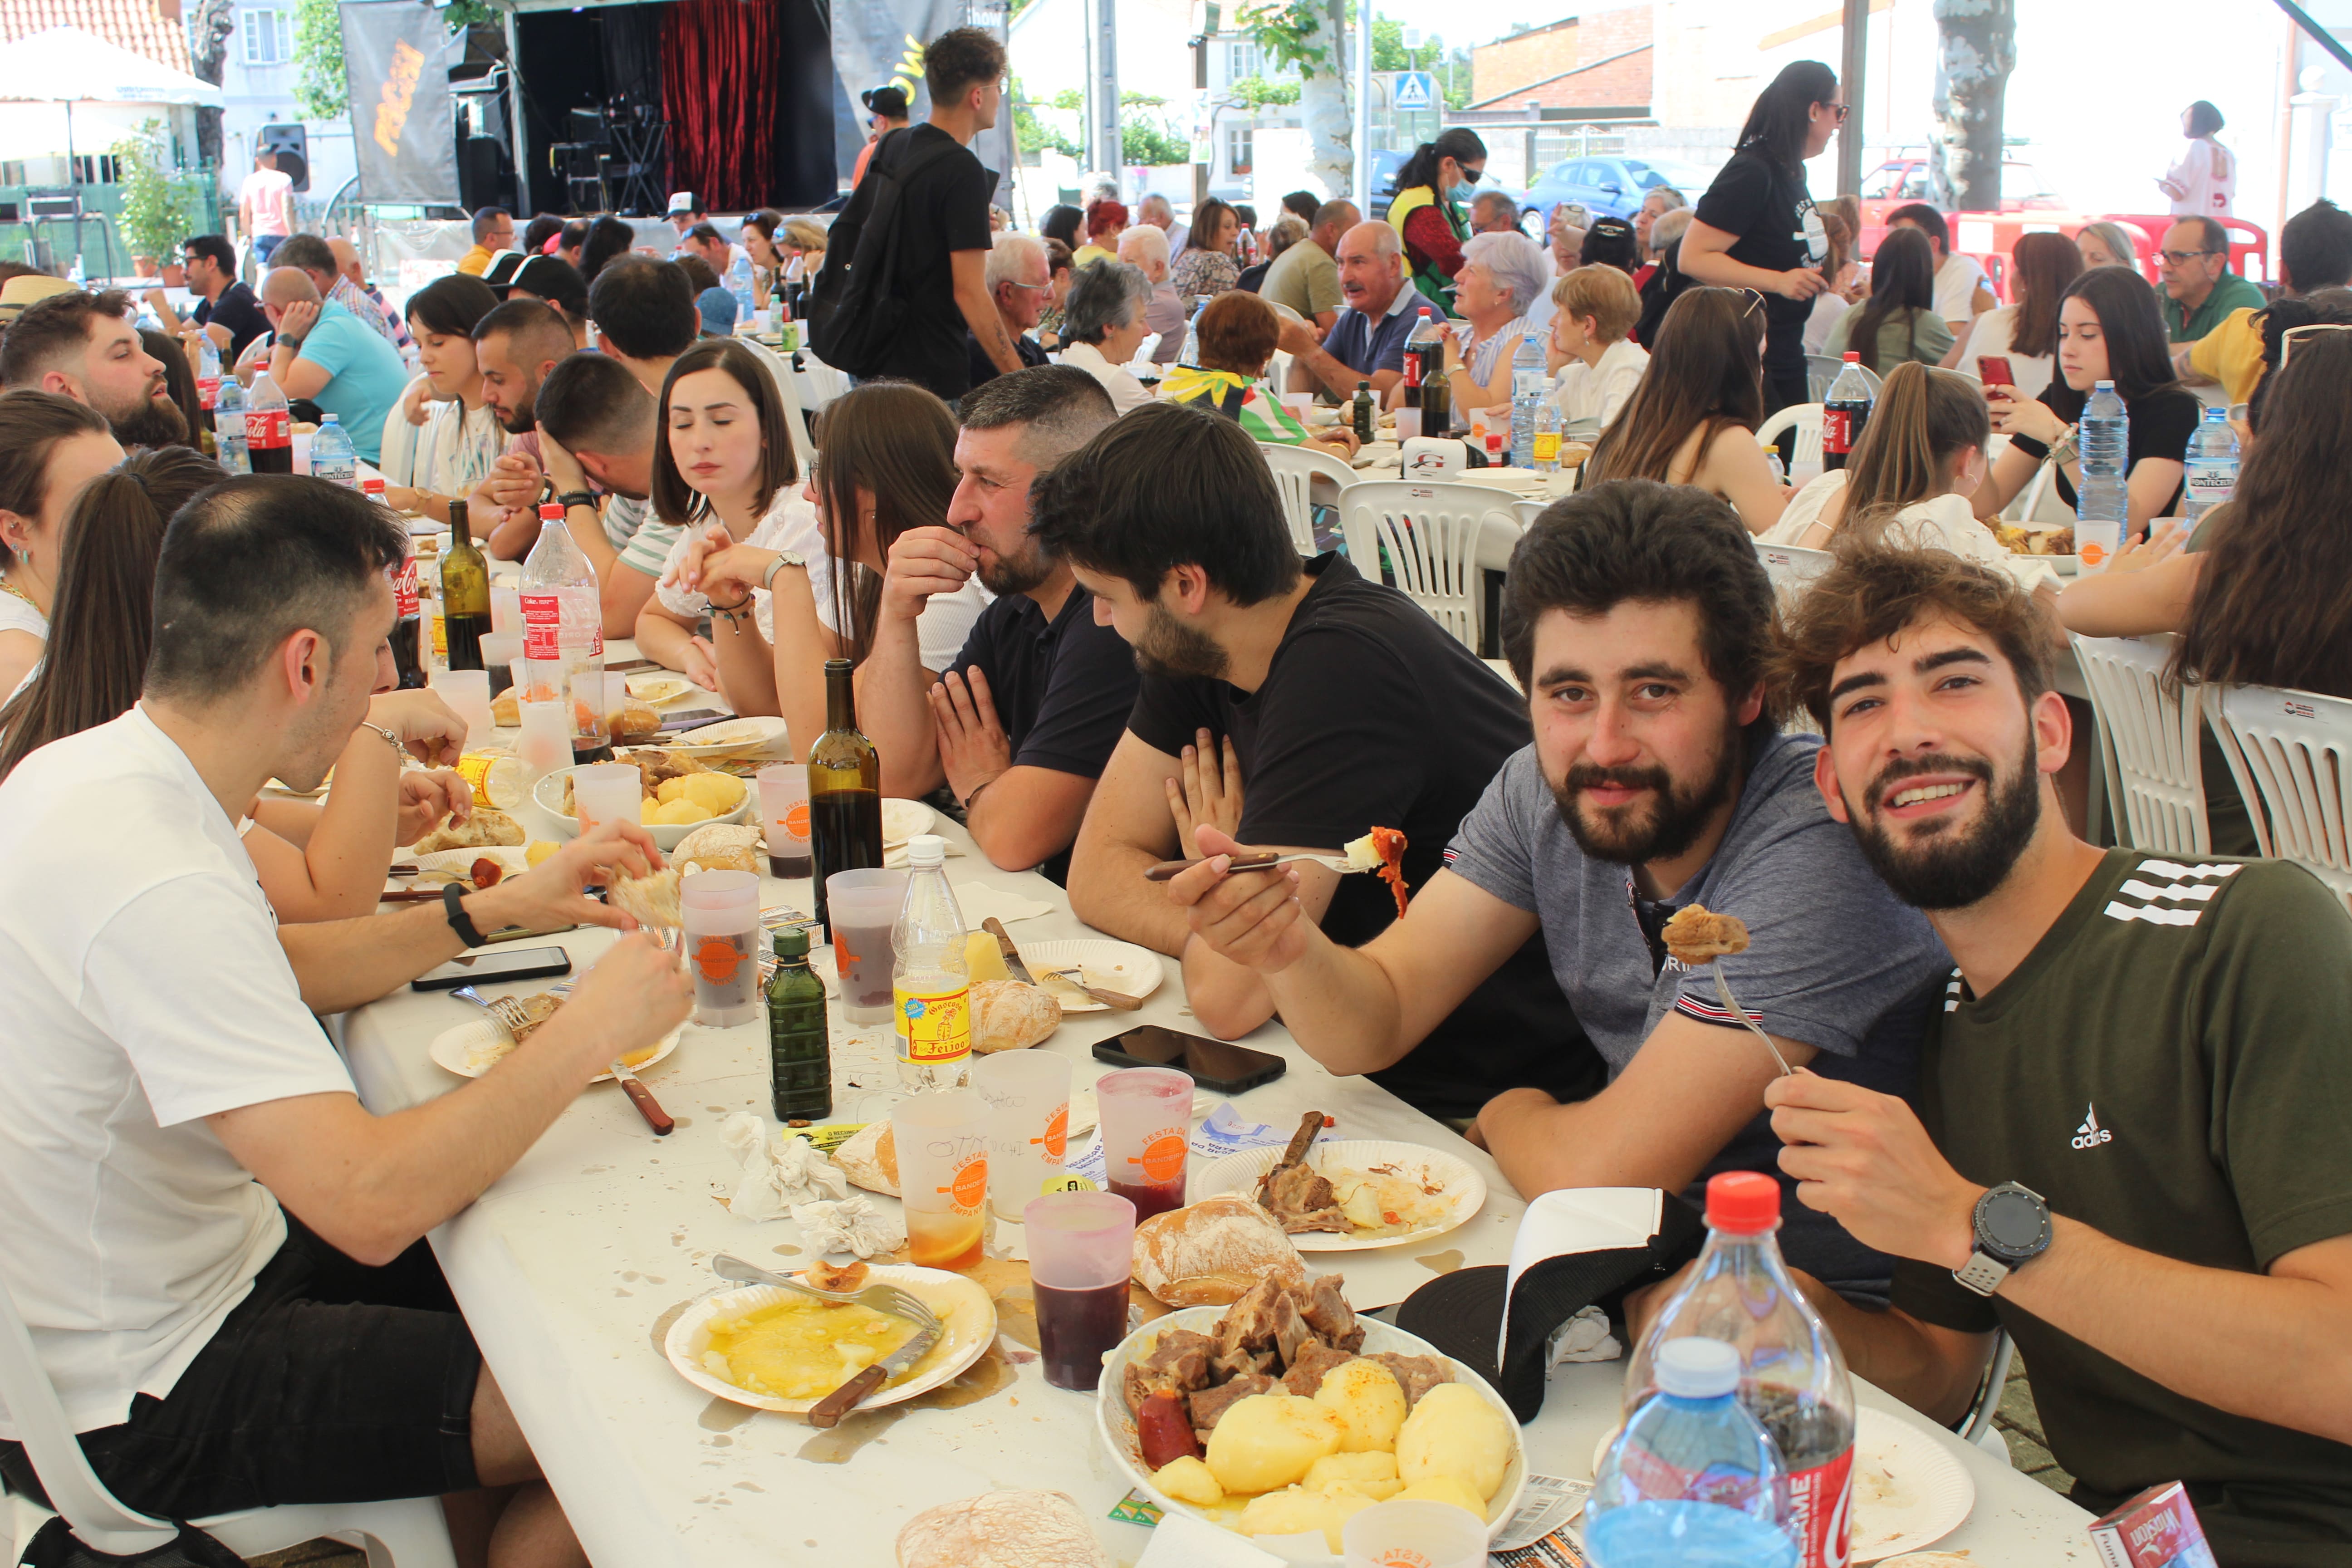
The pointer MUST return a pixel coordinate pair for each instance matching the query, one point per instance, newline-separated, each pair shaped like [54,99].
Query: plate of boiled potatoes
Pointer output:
[678,807]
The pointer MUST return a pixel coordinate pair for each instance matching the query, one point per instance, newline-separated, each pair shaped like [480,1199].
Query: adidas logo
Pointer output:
[2162,886]
[2090,1135]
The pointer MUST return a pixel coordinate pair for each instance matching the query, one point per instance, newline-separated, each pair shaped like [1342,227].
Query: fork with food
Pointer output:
[1696,936]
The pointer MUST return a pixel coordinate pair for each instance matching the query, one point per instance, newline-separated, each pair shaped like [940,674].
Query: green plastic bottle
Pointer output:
[800,1047]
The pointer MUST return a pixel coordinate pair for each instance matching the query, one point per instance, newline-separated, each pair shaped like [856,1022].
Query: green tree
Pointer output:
[158,208]
[319,86]
[1145,137]
[1255,92]
[1031,135]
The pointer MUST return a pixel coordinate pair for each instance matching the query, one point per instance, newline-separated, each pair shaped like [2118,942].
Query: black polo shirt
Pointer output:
[1063,689]
[239,312]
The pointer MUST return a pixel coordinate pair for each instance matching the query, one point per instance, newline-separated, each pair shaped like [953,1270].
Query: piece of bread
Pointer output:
[506,710]
[1007,1015]
[651,900]
[836,1277]
[635,722]
[1211,1253]
[870,1159]
[488,828]
[1696,935]
[719,847]
[1001,1529]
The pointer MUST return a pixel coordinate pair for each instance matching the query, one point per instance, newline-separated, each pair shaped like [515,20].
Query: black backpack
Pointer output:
[854,315]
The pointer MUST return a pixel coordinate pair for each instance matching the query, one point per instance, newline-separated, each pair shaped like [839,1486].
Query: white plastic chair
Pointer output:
[1529,510]
[1792,568]
[1296,469]
[1979,1427]
[2293,749]
[822,383]
[2148,744]
[1431,532]
[2039,501]
[780,372]
[406,1533]
[396,447]
[1805,419]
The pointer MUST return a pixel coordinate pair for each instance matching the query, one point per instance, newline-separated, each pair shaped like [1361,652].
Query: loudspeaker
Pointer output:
[483,179]
[587,194]
[292,146]
[588,125]
[574,160]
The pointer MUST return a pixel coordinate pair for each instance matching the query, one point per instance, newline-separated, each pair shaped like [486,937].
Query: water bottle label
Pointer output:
[269,429]
[2211,487]
[934,1026]
[1821,1511]
[543,626]
[1653,1475]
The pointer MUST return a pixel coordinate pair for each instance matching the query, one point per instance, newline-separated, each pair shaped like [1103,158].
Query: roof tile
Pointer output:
[143,27]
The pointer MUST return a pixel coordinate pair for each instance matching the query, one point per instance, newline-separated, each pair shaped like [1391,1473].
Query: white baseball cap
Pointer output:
[680,201]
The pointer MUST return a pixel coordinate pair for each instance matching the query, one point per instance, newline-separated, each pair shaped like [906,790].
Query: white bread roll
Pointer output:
[719,847]
[870,1159]
[1001,1529]
[1211,1253]
[1007,1015]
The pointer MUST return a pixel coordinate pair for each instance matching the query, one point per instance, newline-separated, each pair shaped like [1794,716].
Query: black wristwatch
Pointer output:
[2012,1228]
[453,905]
[570,499]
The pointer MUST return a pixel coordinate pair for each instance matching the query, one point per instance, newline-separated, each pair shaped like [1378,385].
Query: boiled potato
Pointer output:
[645,810]
[1188,1479]
[1296,1510]
[1442,1488]
[1265,1442]
[1455,1432]
[1368,1402]
[1374,1475]
[537,850]
[679,813]
[717,794]
[669,790]
[986,958]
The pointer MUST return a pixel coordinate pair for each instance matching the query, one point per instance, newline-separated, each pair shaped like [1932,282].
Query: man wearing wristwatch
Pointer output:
[327,354]
[2131,1150]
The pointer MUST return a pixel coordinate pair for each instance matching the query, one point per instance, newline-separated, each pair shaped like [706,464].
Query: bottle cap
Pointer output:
[792,943]
[1853,356]
[1696,1368]
[551,512]
[926,850]
[1744,1203]
[2103,386]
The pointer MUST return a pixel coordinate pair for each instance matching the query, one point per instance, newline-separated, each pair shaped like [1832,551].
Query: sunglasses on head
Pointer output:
[2287,340]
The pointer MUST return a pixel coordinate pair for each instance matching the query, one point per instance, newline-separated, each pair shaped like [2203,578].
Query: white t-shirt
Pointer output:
[1126,392]
[18,615]
[145,989]
[1991,335]
[1956,281]
[1828,306]
[1597,391]
[1942,522]
[2207,174]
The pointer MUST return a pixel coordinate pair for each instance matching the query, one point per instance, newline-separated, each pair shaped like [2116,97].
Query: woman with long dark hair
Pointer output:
[1693,419]
[608,237]
[1756,227]
[461,438]
[50,446]
[2108,329]
[1423,212]
[2025,332]
[1209,265]
[1899,321]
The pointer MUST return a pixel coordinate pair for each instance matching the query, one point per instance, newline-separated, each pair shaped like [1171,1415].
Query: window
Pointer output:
[1238,157]
[1242,60]
[268,37]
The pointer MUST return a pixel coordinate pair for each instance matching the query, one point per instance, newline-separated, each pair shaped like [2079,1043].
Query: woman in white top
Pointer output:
[1595,362]
[1103,325]
[2024,333]
[461,438]
[51,448]
[2204,181]
[1501,274]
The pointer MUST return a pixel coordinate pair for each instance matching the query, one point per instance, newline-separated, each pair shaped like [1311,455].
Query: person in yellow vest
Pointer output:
[1424,215]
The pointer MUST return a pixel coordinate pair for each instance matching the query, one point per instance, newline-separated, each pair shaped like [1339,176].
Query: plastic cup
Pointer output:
[468,693]
[1146,1115]
[546,739]
[1298,403]
[603,792]
[942,1142]
[784,818]
[863,907]
[616,698]
[1412,1535]
[302,450]
[721,914]
[506,612]
[1408,425]
[1081,1249]
[1028,1095]
[501,652]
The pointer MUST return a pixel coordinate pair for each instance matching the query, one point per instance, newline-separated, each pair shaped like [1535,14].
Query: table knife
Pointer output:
[829,1410]
[643,1099]
[996,928]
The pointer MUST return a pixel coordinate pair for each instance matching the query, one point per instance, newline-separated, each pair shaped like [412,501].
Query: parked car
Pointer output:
[1614,186]
[1904,178]
[1385,166]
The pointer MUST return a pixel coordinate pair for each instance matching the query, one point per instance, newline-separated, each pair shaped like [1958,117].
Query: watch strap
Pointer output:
[1982,1274]
[570,499]
[453,906]
[784,558]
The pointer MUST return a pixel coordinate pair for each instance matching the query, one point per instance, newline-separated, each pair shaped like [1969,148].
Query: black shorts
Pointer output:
[331,1381]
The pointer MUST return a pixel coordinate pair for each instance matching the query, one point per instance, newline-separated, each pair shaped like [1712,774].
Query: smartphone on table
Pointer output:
[1217,1065]
[691,719]
[482,967]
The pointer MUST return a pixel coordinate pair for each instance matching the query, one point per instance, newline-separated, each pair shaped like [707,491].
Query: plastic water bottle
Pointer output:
[2213,465]
[563,634]
[1189,354]
[739,283]
[930,978]
[208,374]
[1792,1377]
[2100,507]
[332,456]
[1845,411]
[1547,444]
[1528,389]
[1692,1481]
[228,428]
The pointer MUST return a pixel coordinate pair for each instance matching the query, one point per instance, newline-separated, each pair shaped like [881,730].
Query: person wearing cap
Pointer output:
[886,109]
[1637,618]
[494,231]
[556,283]
[683,212]
[499,274]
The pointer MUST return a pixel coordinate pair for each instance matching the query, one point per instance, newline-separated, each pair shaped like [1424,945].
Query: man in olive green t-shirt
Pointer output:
[1305,277]
[2199,290]
[2134,1143]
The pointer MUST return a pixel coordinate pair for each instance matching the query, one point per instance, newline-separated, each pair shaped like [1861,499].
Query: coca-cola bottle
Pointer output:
[1793,1376]
[268,427]
[1845,411]
[407,652]
[563,634]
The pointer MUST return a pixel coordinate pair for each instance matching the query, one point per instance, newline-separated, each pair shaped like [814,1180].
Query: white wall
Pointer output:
[259,95]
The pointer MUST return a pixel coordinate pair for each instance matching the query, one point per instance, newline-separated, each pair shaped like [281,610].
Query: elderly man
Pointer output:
[494,231]
[326,353]
[1019,280]
[1155,211]
[2315,251]
[1146,249]
[1494,212]
[1662,200]
[2200,289]
[1304,277]
[83,346]
[349,267]
[1367,342]
[315,260]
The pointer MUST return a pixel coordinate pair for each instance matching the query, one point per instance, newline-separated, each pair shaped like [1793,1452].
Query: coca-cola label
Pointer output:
[1413,369]
[1821,1511]
[1837,429]
[403,588]
[208,392]
[269,429]
[542,626]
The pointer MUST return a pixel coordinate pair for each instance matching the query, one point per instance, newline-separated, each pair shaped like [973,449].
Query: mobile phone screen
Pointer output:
[482,967]
[1217,1065]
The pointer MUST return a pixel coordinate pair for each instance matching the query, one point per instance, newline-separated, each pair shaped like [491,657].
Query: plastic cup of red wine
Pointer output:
[864,907]
[1081,1250]
[1147,1126]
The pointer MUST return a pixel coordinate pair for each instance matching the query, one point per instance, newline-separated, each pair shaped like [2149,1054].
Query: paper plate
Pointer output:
[728,738]
[450,1047]
[1116,1423]
[510,860]
[656,687]
[902,819]
[967,1317]
[1110,965]
[1461,1190]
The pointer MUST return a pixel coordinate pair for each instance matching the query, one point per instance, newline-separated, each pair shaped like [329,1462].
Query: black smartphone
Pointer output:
[490,968]
[689,718]
[524,933]
[1216,1065]
[630,666]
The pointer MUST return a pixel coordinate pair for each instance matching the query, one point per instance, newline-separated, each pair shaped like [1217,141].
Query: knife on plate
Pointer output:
[828,1411]
[996,928]
[643,1099]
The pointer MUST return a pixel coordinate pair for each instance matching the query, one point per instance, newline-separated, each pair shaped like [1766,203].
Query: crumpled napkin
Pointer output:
[1585,1337]
[851,1225]
[779,1173]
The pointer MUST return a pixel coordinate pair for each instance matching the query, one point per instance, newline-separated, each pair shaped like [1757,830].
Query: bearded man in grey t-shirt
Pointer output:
[1636,617]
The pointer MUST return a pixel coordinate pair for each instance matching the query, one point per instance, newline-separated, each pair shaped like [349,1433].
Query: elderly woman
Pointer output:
[1239,332]
[1102,326]
[1106,220]
[1145,247]
[1500,276]
[1208,266]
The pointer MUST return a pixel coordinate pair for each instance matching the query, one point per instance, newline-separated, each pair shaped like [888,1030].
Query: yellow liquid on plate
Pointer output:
[802,1349]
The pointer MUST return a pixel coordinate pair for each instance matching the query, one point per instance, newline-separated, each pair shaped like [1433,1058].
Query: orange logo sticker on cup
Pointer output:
[718,958]
[796,819]
[2092,553]
[1162,1158]
[1056,1141]
[970,1188]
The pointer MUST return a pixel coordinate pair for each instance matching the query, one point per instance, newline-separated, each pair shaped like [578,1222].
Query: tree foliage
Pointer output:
[158,207]
[319,86]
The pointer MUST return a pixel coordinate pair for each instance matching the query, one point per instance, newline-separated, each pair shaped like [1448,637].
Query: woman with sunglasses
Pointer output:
[1755,226]
[1693,419]
[1423,210]
[2108,329]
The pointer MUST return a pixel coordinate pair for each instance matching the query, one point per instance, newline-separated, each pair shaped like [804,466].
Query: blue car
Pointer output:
[1385,167]
[1614,186]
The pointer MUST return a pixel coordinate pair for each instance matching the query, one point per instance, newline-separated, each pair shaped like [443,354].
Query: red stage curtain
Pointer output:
[720,92]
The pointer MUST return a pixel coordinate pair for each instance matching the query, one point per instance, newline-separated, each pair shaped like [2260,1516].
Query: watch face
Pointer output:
[2012,1221]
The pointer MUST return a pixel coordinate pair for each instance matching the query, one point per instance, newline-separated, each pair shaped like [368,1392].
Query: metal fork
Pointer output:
[504,1011]
[1723,993]
[886,1298]
[1264,860]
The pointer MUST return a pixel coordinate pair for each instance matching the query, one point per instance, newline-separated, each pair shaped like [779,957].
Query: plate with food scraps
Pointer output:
[444,865]
[1105,964]
[656,687]
[1428,1191]
[902,819]
[769,1337]
[729,737]
[474,1047]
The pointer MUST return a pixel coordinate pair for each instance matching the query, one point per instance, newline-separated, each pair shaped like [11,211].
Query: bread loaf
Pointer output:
[1213,1252]
[1007,1015]
[486,830]
[870,1159]
[1001,1529]
[719,847]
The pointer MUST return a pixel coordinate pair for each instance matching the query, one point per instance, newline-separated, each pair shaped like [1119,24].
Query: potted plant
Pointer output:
[158,209]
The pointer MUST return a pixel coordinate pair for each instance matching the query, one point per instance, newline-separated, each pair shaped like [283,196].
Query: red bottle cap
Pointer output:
[1744,1203]
[551,512]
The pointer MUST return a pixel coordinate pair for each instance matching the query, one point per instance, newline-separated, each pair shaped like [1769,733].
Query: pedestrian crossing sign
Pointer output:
[1415,89]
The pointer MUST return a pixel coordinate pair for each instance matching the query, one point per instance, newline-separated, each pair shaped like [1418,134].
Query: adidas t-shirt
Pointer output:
[2169,1066]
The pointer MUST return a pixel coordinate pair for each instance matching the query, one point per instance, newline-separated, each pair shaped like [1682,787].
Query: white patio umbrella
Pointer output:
[71,66]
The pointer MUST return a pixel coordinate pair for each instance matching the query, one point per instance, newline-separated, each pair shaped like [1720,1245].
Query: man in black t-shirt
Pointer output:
[1288,706]
[227,309]
[2130,1151]
[943,236]
[1020,726]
